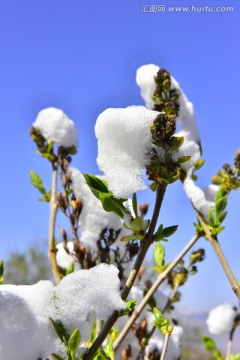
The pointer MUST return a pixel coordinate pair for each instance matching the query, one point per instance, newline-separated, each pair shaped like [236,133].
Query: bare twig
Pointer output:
[221,257]
[152,290]
[165,345]
[230,343]
[144,246]
[53,214]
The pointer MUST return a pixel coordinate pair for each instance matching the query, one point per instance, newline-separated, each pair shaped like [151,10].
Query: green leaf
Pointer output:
[134,204]
[57,357]
[60,330]
[198,164]
[210,346]
[36,181]
[130,306]
[183,159]
[159,254]
[70,269]
[168,231]
[211,218]
[74,342]
[1,268]
[222,216]
[220,194]
[95,183]
[99,188]
[176,142]
[158,235]
[221,204]
[132,237]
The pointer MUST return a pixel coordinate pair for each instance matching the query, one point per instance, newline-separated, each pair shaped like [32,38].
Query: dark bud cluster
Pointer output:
[162,129]
[164,97]
[229,177]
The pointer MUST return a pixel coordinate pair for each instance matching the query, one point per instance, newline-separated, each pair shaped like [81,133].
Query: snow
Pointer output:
[93,218]
[202,200]
[56,126]
[124,147]
[25,310]
[221,319]
[64,260]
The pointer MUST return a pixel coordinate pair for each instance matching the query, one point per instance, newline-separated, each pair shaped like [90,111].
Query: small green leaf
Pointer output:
[36,181]
[222,216]
[158,235]
[70,269]
[220,194]
[159,254]
[183,159]
[221,204]
[57,357]
[134,204]
[130,306]
[96,183]
[176,142]
[210,346]
[211,218]
[60,330]
[74,342]
[198,164]
[132,237]
[168,231]
[1,268]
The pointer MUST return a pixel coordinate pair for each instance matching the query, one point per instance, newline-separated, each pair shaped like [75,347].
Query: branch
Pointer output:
[230,343]
[165,345]
[152,290]
[53,214]
[144,246]
[221,257]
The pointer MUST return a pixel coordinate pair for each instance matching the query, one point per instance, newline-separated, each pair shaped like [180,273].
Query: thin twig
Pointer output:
[230,343]
[221,257]
[53,214]
[165,345]
[152,290]
[144,246]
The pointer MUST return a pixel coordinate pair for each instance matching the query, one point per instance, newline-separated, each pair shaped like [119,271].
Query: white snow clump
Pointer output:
[124,147]
[25,310]
[221,319]
[202,200]
[56,126]
[93,218]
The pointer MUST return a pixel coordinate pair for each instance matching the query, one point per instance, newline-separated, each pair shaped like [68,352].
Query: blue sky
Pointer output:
[82,56]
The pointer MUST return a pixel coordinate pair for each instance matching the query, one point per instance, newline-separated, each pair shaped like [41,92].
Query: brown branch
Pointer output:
[52,221]
[144,246]
[221,257]
[163,276]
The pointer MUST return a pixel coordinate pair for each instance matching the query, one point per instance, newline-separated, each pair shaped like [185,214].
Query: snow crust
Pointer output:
[25,330]
[124,147]
[56,126]
[221,319]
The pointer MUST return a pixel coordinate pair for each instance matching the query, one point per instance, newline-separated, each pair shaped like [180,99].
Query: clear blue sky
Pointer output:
[82,56]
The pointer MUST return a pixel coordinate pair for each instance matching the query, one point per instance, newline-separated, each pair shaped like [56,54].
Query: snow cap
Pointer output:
[56,126]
